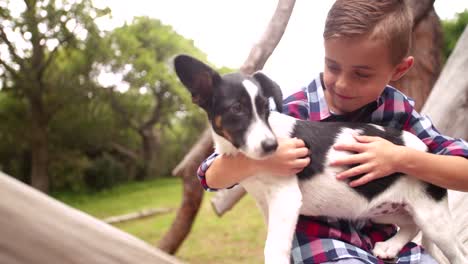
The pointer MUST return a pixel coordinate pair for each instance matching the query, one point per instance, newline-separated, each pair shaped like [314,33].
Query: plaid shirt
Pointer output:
[322,239]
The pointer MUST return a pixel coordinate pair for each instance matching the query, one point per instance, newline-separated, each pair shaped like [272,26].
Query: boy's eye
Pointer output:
[362,75]
[333,68]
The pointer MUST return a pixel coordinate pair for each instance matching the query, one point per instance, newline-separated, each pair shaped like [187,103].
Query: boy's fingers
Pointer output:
[351,159]
[301,163]
[302,152]
[355,171]
[355,147]
[366,139]
[299,143]
[363,180]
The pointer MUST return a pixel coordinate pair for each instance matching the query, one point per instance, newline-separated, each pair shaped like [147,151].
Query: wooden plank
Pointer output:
[137,215]
[36,228]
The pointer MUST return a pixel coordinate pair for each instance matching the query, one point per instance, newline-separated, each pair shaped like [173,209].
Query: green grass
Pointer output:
[237,237]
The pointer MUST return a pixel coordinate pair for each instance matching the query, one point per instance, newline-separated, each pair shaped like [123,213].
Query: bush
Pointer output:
[66,171]
[105,172]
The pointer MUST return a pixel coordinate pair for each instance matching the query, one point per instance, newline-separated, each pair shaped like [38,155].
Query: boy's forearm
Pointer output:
[226,171]
[446,171]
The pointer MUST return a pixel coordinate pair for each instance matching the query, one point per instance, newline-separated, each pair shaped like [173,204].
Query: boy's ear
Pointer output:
[199,78]
[270,89]
[402,68]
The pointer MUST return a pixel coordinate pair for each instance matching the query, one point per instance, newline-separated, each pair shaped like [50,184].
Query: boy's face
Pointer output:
[356,72]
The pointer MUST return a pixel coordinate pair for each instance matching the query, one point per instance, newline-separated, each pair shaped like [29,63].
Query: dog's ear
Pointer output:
[270,89]
[199,78]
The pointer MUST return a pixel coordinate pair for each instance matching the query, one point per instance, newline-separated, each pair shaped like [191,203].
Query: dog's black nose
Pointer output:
[269,145]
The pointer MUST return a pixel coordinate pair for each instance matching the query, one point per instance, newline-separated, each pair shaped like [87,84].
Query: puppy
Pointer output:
[238,110]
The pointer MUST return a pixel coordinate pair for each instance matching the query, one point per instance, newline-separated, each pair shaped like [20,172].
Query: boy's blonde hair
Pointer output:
[387,20]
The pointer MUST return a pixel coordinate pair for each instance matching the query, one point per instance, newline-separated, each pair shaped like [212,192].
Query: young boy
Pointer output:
[366,47]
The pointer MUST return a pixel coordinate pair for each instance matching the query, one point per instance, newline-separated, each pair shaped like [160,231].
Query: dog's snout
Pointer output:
[269,145]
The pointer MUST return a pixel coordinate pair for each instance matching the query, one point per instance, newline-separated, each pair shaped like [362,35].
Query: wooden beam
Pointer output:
[36,228]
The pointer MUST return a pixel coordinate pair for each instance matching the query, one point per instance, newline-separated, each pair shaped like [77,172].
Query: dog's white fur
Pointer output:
[283,198]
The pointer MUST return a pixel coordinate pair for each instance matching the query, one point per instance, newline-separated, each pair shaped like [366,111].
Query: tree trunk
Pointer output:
[191,200]
[448,103]
[149,145]
[39,155]
[427,51]
[447,106]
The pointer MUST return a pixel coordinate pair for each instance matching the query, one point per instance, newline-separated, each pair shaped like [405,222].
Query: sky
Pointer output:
[226,30]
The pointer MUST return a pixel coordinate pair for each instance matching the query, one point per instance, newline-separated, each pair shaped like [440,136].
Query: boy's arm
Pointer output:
[226,171]
[450,172]
[379,158]
[220,171]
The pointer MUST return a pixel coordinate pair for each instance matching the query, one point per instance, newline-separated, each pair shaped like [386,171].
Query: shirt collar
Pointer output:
[317,103]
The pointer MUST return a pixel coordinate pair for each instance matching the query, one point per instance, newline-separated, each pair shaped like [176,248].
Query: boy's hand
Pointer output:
[376,157]
[289,159]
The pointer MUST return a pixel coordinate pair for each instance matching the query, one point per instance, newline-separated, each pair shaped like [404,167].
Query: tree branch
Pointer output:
[10,69]
[125,151]
[54,51]
[121,110]
[419,9]
[11,48]
[156,114]
[262,50]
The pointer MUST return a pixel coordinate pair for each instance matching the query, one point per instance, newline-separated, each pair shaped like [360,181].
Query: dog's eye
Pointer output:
[236,108]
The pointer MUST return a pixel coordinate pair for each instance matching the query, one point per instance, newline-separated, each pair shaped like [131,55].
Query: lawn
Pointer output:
[237,237]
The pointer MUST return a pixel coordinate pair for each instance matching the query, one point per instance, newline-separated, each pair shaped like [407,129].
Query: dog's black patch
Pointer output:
[436,192]
[233,104]
[320,137]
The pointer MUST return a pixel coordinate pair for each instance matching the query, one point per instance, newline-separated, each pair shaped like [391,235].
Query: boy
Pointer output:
[366,47]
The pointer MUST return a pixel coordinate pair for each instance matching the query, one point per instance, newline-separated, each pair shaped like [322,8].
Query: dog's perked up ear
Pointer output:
[270,89]
[199,78]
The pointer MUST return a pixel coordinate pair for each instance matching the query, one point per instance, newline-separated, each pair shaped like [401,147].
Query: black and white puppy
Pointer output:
[238,110]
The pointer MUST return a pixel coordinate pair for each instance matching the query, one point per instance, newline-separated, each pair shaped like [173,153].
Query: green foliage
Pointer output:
[105,172]
[94,135]
[141,53]
[67,170]
[452,30]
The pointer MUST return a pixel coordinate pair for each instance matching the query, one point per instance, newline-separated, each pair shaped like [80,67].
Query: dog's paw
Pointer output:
[386,250]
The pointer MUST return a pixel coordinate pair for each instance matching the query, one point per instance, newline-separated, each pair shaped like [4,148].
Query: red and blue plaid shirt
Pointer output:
[323,239]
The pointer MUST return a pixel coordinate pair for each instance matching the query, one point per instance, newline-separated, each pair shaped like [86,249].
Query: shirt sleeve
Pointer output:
[202,171]
[296,105]
[422,127]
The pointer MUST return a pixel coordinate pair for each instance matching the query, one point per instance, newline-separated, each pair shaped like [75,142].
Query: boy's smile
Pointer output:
[356,72]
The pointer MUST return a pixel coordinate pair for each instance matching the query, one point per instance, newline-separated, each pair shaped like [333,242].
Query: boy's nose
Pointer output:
[341,82]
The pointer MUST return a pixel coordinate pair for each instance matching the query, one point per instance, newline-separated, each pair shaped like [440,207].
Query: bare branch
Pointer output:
[125,151]
[262,50]
[419,9]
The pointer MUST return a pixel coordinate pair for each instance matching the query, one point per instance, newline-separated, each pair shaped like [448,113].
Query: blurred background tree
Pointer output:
[64,129]
[452,29]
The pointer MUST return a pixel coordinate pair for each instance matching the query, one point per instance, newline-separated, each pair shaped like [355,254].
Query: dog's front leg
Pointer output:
[284,201]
